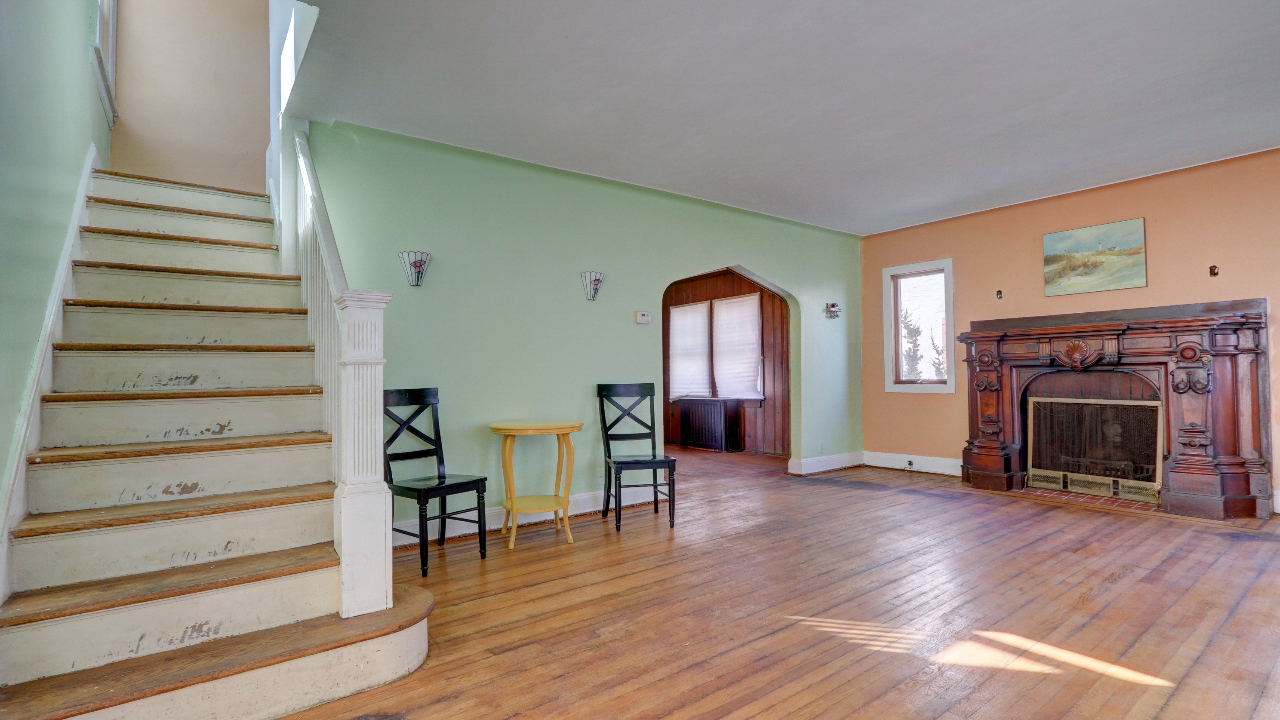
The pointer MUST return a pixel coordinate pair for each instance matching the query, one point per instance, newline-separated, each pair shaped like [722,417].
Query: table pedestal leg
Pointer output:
[566,448]
[508,479]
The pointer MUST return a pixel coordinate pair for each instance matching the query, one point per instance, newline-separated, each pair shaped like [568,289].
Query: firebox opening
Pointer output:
[1110,448]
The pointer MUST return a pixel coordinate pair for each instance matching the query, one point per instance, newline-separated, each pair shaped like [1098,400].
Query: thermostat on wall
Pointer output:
[643,318]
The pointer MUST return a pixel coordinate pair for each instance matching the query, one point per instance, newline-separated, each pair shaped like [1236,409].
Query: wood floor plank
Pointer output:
[700,621]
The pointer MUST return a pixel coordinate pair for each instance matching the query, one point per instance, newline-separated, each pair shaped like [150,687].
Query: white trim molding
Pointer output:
[917,463]
[809,466]
[890,324]
[13,496]
[579,504]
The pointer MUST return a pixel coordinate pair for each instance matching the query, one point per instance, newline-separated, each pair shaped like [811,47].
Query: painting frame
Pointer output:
[1096,258]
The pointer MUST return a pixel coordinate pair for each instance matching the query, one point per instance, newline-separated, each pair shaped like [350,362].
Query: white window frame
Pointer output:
[104,58]
[890,317]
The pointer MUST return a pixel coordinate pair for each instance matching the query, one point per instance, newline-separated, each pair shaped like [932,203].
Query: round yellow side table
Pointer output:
[557,504]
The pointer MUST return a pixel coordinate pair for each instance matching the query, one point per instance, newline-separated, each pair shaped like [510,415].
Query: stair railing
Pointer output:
[346,328]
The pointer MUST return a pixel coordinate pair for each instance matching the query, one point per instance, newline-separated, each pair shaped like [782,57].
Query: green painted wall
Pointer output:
[500,323]
[49,115]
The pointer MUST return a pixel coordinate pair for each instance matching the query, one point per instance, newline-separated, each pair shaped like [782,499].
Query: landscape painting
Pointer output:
[1101,257]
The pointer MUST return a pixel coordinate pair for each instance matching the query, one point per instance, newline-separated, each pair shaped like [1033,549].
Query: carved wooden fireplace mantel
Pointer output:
[1205,363]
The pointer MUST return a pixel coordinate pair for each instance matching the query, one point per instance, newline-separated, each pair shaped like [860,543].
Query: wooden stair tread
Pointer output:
[183,271]
[86,597]
[138,513]
[63,696]
[126,305]
[160,347]
[174,209]
[173,447]
[144,395]
[148,178]
[176,238]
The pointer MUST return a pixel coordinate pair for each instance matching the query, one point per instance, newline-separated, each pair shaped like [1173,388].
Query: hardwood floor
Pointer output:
[863,593]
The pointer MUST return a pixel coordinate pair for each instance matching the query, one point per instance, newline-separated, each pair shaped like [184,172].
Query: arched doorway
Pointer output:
[765,424]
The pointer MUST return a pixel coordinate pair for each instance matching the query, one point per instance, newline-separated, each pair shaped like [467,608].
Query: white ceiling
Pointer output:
[858,116]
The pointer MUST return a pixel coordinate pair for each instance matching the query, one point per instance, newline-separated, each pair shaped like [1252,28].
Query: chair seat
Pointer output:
[434,485]
[641,461]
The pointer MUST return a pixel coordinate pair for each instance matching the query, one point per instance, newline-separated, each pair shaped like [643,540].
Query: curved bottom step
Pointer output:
[256,676]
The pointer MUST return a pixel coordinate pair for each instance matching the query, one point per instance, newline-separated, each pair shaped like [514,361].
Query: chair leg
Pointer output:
[423,542]
[671,494]
[443,510]
[484,528]
[617,488]
[608,490]
[655,491]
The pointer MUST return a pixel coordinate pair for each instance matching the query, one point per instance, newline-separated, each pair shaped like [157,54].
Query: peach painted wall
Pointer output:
[192,88]
[1225,214]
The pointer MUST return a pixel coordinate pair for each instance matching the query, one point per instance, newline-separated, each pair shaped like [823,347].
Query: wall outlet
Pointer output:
[911,464]
[643,318]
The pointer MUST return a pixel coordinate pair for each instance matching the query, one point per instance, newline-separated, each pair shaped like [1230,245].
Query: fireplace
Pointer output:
[1164,405]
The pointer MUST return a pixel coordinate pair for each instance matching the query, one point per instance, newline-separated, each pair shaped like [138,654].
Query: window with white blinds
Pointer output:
[714,349]
[735,342]
[689,351]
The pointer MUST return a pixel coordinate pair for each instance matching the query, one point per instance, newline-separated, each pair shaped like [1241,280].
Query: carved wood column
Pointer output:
[362,512]
[988,462]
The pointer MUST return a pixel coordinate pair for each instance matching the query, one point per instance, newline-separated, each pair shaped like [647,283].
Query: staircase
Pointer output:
[177,558]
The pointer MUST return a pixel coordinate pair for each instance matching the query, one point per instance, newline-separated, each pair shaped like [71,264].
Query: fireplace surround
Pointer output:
[1205,364]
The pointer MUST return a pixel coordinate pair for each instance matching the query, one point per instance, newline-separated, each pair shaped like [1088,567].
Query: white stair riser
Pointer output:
[76,371]
[176,253]
[73,424]
[181,327]
[284,688]
[104,483]
[54,647]
[73,557]
[159,193]
[175,288]
[116,217]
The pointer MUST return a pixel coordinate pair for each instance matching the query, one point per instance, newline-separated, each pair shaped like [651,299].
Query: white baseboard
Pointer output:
[13,497]
[918,463]
[809,466]
[578,504]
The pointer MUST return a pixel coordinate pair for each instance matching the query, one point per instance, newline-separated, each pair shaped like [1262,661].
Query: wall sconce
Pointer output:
[833,310]
[415,265]
[591,283]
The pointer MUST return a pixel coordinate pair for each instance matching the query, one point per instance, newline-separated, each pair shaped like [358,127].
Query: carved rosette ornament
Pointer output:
[987,376]
[1190,370]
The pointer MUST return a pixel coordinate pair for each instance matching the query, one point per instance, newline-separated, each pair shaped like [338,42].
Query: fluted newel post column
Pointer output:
[362,507]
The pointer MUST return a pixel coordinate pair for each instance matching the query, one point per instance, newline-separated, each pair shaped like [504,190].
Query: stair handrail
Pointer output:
[345,327]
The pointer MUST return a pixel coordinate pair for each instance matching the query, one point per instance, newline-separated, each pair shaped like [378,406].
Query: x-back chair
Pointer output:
[422,489]
[634,395]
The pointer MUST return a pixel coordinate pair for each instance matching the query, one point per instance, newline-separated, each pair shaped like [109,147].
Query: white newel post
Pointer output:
[362,507]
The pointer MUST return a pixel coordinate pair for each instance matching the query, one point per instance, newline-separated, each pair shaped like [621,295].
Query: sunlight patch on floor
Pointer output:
[969,653]
[868,634]
[975,654]
[1085,662]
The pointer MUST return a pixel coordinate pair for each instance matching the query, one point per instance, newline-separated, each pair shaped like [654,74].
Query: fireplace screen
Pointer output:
[1098,447]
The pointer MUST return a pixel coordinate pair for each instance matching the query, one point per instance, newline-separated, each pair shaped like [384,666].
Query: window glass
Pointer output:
[921,318]
[689,349]
[736,347]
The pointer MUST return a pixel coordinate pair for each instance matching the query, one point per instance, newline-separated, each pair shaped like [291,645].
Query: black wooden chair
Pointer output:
[423,489]
[615,465]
